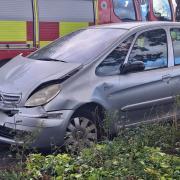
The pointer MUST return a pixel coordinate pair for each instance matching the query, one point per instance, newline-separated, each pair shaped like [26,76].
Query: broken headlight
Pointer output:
[43,96]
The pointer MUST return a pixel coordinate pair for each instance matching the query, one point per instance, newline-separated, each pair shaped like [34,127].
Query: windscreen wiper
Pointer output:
[51,59]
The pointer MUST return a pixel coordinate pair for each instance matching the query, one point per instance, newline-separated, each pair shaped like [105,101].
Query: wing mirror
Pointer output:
[132,67]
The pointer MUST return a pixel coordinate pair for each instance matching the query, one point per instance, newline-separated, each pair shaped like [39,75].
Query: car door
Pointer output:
[108,72]
[147,95]
[175,37]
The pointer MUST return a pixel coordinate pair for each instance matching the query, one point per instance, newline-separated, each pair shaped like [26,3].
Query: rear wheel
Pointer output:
[81,132]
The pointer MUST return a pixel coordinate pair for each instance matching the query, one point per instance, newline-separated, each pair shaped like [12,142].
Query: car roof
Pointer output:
[132,25]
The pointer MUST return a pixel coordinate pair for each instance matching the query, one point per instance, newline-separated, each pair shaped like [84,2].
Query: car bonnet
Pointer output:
[23,75]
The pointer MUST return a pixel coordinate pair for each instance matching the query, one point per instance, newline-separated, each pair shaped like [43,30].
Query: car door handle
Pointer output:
[166,78]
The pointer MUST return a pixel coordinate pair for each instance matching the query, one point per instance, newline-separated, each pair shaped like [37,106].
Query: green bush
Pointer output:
[105,162]
[127,157]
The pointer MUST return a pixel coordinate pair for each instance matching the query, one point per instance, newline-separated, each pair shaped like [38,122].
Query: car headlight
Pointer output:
[43,96]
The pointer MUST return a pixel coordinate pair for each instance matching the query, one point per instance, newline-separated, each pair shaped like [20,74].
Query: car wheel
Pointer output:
[81,132]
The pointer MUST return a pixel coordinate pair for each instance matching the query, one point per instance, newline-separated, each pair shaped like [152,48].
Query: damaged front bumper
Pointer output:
[33,126]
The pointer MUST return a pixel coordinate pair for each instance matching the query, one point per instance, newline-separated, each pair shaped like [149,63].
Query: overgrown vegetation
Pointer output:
[146,152]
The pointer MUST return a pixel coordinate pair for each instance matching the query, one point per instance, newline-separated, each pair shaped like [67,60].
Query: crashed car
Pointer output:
[132,68]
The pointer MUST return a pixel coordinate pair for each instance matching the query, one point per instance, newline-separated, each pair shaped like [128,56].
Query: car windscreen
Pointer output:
[80,46]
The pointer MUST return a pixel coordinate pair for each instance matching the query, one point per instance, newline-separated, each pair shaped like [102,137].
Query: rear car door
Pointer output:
[147,95]
[175,37]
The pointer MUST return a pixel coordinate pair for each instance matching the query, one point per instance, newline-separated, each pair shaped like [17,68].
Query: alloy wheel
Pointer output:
[81,132]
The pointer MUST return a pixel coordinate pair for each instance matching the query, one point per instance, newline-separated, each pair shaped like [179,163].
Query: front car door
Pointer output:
[147,95]
[108,72]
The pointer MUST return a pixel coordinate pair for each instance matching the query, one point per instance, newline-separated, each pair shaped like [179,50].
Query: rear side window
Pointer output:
[175,36]
[111,65]
[124,9]
[151,48]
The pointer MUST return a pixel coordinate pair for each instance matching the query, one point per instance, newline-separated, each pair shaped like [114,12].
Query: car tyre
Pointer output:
[81,132]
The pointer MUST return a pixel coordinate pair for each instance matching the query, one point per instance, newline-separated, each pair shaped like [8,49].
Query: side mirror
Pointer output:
[132,67]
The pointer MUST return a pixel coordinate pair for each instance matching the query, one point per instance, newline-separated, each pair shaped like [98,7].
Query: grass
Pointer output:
[144,152]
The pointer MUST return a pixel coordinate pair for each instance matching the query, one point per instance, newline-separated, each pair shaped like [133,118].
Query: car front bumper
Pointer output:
[33,127]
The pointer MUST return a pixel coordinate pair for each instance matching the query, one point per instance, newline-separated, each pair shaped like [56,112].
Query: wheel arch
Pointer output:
[98,115]
[93,107]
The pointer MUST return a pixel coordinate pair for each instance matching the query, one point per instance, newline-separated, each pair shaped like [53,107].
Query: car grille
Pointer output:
[13,133]
[10,99]
[7,132]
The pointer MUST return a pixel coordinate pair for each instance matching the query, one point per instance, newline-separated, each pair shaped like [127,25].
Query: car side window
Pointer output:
[111,64]
[151,48]
[175,36]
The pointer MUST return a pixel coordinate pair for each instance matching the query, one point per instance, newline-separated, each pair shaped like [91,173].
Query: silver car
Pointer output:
[64,89]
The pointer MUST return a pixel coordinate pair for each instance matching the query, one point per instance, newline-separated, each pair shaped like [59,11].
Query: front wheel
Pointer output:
[81,132]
